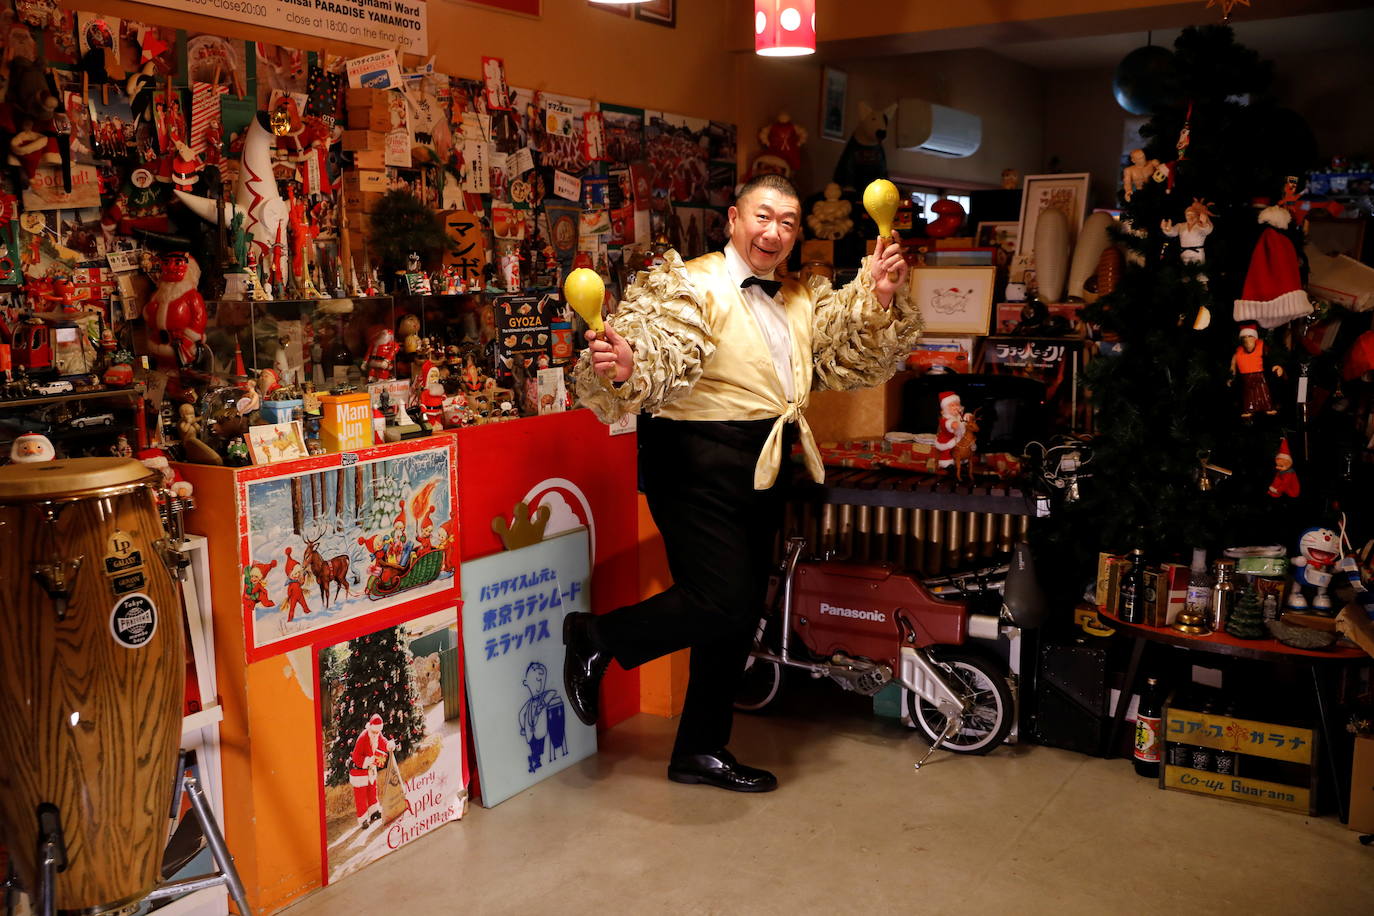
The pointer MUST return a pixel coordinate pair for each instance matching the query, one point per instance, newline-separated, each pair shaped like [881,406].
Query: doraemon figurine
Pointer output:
[1318,551]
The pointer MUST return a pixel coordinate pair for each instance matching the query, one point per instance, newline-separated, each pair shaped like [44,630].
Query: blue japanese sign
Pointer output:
[513,608]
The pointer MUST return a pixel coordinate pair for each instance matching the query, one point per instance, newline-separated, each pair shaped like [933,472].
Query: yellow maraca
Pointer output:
[585,293]
[880,200]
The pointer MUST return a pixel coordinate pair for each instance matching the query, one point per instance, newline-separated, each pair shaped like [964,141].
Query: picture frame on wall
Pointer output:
[834,88]
[531,8]
[1067,192]
[954,300]
[659,12]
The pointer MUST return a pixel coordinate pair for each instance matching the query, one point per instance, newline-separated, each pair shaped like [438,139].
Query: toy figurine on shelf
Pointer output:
[1192,234]
[953,425]
[1135,175]
[831,215]
[251,401]
[432,395]
[417,281]
[169,478]
[1319,549]
[381,354]
[186,168]
[62,293]
[1247,364]
[31,448]
[175,315]
[408,330]
[1285,482]
[783,139]
[188,431]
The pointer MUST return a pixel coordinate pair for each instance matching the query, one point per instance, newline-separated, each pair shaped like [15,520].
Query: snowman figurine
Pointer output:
[1318,551]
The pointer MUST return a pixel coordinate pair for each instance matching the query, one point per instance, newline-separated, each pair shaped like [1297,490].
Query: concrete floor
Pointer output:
[853,827]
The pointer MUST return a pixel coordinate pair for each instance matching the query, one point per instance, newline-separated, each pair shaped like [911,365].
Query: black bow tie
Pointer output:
[770,287]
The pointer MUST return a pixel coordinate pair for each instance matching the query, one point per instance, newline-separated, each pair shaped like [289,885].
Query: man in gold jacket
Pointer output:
[720,358]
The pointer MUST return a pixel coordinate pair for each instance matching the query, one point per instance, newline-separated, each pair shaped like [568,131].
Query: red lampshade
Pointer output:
[784,28]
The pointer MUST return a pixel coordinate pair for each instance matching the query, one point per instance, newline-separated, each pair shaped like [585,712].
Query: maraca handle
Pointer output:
[892,276]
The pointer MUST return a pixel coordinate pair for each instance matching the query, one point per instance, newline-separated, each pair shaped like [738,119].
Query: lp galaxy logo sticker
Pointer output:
[133,620]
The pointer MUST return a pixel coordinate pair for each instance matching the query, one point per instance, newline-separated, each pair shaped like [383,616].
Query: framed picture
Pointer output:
[996,235]
[954,300]
[274,442]
[659,12]
[834,85]
[1067,193]
[529,8]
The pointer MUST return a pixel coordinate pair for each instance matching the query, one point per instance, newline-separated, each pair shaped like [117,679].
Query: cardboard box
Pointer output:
[377,117]
[954,354]
[346,424]
[1362,785]
[369,159]
[360,203]
[355,140]
[1173,592]
[363,182]
[1108,581]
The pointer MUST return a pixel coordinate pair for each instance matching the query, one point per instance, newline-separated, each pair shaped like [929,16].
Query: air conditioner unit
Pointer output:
[929,128]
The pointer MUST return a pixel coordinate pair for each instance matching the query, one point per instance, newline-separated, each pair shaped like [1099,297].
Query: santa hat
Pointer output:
[152,457]
[262,569]
[292,564]
[1283,449]
[947,398]
[375,720]
[1249,329]
[1273,293]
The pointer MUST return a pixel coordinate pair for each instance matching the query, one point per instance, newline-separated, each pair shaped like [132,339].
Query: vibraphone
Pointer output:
[928,524]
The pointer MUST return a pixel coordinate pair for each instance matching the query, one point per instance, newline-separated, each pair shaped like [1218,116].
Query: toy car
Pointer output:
[93,419]
[58,386]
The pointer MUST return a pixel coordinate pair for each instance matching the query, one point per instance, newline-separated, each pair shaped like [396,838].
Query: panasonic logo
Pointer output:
[877,616]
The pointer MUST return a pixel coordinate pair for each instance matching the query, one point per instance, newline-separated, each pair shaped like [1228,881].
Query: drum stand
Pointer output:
[52,851]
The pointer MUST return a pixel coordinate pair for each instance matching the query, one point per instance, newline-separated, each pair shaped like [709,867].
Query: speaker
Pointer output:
[1071,698]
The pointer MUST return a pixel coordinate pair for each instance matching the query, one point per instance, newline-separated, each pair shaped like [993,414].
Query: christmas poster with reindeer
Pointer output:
[327,540]
[391,723]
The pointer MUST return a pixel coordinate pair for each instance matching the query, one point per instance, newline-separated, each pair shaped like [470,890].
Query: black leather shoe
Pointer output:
[721,770]
[583,665]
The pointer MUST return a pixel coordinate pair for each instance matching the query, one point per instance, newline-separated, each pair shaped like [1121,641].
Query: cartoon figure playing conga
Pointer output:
[542,717]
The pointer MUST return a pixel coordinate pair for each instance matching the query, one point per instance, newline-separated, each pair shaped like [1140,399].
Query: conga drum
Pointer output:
[92,670]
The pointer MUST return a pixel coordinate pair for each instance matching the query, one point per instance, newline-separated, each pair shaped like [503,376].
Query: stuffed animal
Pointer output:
[864,159]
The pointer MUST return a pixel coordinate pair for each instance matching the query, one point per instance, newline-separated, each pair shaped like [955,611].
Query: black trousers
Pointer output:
[698,478]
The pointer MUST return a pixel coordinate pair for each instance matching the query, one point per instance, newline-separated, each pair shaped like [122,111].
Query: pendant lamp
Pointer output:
[784,28]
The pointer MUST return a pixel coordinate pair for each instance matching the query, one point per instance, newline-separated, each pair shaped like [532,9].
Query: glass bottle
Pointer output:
[1149,735]
[1193,618]
[1131,591]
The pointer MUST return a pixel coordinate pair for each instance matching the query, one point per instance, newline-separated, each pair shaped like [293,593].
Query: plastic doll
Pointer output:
[1135,175]
[1192,234]
[1319,549]
[175,314]
[1285,481]
[951,429]
[830,216]
[381,355]
[1247,364]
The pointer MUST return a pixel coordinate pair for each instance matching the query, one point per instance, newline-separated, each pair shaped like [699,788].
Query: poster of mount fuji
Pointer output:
[327,540]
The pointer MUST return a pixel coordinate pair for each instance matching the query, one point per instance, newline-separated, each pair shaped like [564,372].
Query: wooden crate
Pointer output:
[1257,746]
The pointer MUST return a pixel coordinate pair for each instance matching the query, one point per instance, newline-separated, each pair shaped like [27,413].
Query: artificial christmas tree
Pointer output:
[1247,618]
[374,679]
[1167,405]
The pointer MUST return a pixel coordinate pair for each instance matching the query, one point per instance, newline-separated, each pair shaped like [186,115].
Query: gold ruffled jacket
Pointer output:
[699,353]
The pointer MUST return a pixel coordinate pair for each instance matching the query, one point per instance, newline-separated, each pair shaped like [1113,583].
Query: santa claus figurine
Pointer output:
[951,428]
[31,448]
[174,315]
[370,754]
[186,166]
[381,354]
[170,479]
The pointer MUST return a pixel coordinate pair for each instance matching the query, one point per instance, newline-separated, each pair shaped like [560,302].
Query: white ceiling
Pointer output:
[1270,37]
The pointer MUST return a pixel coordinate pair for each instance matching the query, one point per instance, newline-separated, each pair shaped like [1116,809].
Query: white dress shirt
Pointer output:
[769,315]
